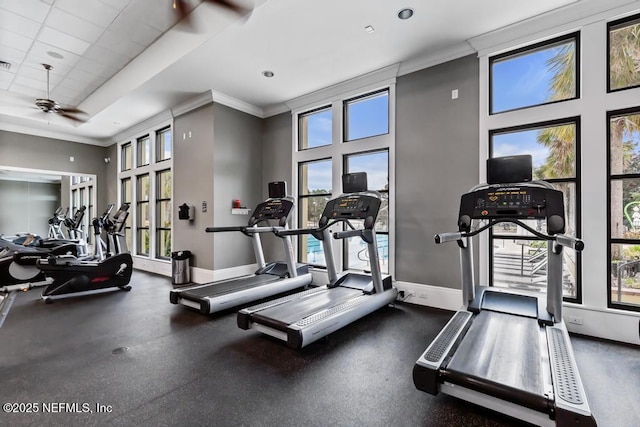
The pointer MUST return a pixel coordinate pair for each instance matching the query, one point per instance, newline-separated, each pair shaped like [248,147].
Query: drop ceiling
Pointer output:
[124,61]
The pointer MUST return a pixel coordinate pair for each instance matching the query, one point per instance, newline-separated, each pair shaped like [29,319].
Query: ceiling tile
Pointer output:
[120,43]
[106,57]
[96,68]
[70,24]
[12,55]
[27,90]
[63,41]
[18,24]
[40,49]
[93,11]
[8,38]
[33,9]
[5,78]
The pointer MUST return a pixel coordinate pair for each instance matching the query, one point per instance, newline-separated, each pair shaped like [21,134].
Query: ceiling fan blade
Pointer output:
[183,11]
[231,5]
[71,117]
[72,110]
[72,113]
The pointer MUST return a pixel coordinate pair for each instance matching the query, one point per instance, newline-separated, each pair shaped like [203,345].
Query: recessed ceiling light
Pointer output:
[369,29]
[268,73]
[405,13]
[55,55]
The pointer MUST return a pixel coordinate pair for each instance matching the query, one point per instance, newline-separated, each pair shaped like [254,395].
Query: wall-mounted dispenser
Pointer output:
[186,212]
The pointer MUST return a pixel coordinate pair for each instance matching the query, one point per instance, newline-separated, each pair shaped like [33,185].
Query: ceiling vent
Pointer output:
[5,65]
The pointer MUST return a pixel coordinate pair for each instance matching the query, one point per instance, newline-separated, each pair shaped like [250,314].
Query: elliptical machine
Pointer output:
[110,266]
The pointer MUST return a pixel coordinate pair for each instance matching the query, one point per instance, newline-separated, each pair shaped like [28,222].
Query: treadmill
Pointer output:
[307,316]
[509,350]
[269,279]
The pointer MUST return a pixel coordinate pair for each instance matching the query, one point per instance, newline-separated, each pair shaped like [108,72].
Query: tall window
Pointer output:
[351,134]
[126,157]
[314,190]
[144,151]
[535,75]
[366,116]
[519,259]
[142,217]
[126,195]
[624,209]
[148,187]
[163,144]
[315,128]
[623,57]
[163,214]
[376,165]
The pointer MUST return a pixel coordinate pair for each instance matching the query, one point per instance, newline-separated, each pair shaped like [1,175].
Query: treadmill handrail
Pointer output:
[242,228]
[536,183]
[561,239]
[301,231]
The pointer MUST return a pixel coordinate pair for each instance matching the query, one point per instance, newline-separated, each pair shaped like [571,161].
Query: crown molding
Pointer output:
[381,76]
[46,133]
[143,127]
[229,101]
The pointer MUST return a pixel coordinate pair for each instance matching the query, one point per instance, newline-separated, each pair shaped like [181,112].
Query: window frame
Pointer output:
[160,146]
[339,147]
[345,114]
[576,180]
[610,240]
[614,25]
[158,201]
[532,48]
[300,128]
[132,228]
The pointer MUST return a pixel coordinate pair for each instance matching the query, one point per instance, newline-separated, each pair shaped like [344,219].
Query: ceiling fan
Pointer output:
[183,9]
[48,105]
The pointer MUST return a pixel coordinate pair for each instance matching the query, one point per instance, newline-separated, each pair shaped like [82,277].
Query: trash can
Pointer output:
[180,271]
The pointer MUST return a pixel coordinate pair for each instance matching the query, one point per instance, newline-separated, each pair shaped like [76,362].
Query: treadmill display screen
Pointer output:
[515,202]
[273,209]
[354,206]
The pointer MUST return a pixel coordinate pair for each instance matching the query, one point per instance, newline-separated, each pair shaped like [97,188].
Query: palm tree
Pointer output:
[624,51]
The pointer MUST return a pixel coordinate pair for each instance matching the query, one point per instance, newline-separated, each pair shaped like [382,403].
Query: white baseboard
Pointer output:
[603,323]
[201,275]
[430,296]
[151,265]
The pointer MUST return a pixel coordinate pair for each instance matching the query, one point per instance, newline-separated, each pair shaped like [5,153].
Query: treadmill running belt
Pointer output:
[281,316]
[503,349]
[227,287]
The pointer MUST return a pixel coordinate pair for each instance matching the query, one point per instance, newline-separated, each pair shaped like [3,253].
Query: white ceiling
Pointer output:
[124,61]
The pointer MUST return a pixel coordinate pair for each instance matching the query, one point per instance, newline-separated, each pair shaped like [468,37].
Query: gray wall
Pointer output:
[237,167]
[277,159]
[35,152]
[437,148]
[225,144]
[27,206]
[193,183]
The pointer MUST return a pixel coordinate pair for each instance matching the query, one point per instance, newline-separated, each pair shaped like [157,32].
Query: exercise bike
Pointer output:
[110,266]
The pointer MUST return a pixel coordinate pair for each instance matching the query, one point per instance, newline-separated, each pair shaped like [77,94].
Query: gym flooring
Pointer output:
[133,358]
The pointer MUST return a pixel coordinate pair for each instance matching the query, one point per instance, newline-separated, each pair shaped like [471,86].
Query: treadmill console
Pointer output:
[514,202]
[272,209]
[352,206]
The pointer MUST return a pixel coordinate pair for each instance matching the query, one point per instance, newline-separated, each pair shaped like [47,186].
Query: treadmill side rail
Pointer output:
[571,403]
[426,371]
[244,315]
[312,328]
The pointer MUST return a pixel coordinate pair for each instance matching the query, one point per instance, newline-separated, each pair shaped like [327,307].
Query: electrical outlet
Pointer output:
[574,320]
